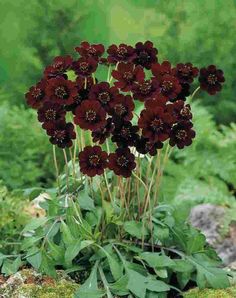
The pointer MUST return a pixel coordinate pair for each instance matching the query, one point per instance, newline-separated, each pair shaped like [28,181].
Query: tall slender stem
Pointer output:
[194,93]
[56,168]
[67,169]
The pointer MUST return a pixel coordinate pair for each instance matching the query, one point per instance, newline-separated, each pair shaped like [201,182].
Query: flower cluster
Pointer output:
[106,108]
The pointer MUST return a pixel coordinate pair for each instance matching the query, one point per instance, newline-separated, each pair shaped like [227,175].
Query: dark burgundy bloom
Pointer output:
[144,146]
[159,70]
[104,94]
[61,133]
[182,134]
[185,73]
[122,107]
[158,101]
[145,90]
[185,92]
[85,66]
[90,115]
[90,50]
[93,161]
[59,67]
[103,133]
[155,124]
[126,74]
[61,91]
[169,86]
[120,53]
[122,162]
[36,95]
[146,54]
[210,79]
[179,110]
[125,134]
[51,112]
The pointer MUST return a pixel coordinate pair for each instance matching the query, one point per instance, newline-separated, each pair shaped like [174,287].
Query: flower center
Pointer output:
[84,66]
[212,79]
[167,86]
[125,132]
[94,160]
[92,51]
[119,109]
[59,135]
[50,114]
[185,112]
[157,125]
[61,92]
[185,70]
[128,76]
[181,135]
[143,57]
[121,52]
[145,88]
[104,97]
[37,93]
[122,161]
[58,65]
[90,115]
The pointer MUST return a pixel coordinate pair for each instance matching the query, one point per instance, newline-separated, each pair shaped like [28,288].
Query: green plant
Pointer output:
[13,219]
[24,151]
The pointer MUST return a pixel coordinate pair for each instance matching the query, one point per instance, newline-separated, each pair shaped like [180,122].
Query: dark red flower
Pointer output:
[61,133]
[90,115]
[155,124]
[144,146]
[103,133]
[210,79]
[145,90]
[104,94]
[185,92]
[158,101]
[36,95]
[122,107]
[185,73]
[146,54]
[59,67]
[179,110]
[90,50]
[126,74]
[159,70]
[51,112]
[61,91]
[82,92]
[85,66]
[182,134]
[93,161]
[123,52]
[122,162]
[169,86]
[125,134]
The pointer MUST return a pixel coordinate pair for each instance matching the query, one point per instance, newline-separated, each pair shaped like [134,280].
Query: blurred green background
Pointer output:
[32,32]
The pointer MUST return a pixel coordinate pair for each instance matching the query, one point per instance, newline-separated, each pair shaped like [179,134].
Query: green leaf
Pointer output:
[196,243]
[155,285]
[116,267]
[35,223]
[183,266]
[155,260]
[74,248]
[66,234]
[2,257]
[90,288]
[120,286]
[11,267]
[135,229]
[161,233]
[35,258]
[137,283]
[85,202]
[56,251]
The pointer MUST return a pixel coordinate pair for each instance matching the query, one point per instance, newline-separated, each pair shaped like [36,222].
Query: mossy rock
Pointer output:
[210,293]
[30,284]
